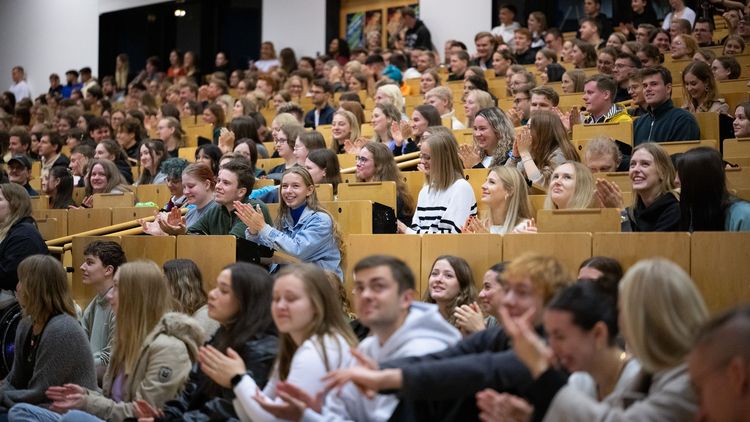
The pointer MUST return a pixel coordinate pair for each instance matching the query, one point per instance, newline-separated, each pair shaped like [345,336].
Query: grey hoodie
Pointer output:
[424,331]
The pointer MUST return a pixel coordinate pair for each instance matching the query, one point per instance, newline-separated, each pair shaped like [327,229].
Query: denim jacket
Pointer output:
[310,240]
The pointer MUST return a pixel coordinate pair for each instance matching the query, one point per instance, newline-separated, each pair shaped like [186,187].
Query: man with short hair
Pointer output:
[719,367]
[635,90]
[485,44]
[743,28]
[598,95]
[71,84]
[523,80]
[50,145]
[642,12]
[663,122]
[590,32]
[221,63]
[703,32]
[375,64]
[101,259]
[644,33]
[592,9]
[441,98]
[322,114]
[412,72]
[417,35]
[19,171]
[384,296]
[519,113]
[188,92]
[506,30]
[458,66]
[626,65]
[523,51]
[19,141]
[543,98]
[554,40]
[680,27]
[87,80]
[79,159]
[54,85]
[19,87]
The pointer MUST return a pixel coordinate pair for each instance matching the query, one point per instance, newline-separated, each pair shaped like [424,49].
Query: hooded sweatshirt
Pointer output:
[665,122]
[424,331]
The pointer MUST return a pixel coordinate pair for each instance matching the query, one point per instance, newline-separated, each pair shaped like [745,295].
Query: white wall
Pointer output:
[299,24]
[451,20]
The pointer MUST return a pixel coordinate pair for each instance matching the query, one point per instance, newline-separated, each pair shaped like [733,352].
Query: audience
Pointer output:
[450,285]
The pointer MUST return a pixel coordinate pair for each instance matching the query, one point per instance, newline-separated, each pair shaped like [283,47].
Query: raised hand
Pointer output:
[469,318]
[252,217]
[396,134]
[494,406]
[523,140]
[172,223]
[143,409]
[514,116]
[529,347]
[220,367]
[529,228]
[469,155]
[608,194]
[226,140]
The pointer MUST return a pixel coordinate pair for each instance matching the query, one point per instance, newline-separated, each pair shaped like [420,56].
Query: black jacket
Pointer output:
[203,400]
[125,171]
[666,123]
[23,240]
[326,117]
[418,37]
[528,57]
[662,216]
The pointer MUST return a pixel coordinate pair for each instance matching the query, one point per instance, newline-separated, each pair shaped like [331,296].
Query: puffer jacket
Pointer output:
[163,366]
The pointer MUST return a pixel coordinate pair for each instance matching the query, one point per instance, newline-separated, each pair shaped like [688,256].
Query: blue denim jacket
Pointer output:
[311,240]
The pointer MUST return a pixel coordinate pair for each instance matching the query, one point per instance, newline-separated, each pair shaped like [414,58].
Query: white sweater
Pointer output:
[305,372]
[443,211]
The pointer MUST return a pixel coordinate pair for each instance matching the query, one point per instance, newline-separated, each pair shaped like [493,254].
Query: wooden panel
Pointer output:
[192,133]
[620,178]
[414,182]
[585,220]
[464,246]
[736,148]
[57,218]
[352,217]
[708,124]
[121,215]
[113,200]
[622,131]
[570,248]
[84,219]
[629,248]
[40,202]
[406,247]
[159,249]
[187,153]
[78,195]
[158,194]
[719,265]
[269,163]
[476,178]
[734,85]
[324,192]
[83,293]
[464,136]
[382,192]
[210,253]
[347,160]
[738,178]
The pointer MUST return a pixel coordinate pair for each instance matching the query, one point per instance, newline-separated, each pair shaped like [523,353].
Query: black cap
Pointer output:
[21,159]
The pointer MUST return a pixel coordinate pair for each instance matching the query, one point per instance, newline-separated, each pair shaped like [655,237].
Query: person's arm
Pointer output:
[489,340]
[462,205]
[202,226]
[15,248]
[303,244]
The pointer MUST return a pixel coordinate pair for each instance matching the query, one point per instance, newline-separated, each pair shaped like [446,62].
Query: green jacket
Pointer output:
[219,221]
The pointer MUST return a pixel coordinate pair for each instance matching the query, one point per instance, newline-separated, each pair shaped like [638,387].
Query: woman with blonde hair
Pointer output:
[493,139]
[446,200]
[683,47]
[314,338]
[506,194]
[541,147]
[572,81]
[700,89]
[476,100]
[571,186]
[344,128]
[375,163]
[303,228]
[185,283]
[660,312]
[391,94]
[152,353]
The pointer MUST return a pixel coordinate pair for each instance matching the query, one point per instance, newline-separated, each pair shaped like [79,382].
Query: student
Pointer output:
[19,172]
[185,284]
[446,200]
[422,117]
[210,155]
[101,259]
[59,188]
[49,148]
[241,303]
[705,203]
[284,140]
[110,150]
[314,337]
[102,177]
[344,127]
[384,290]
[541,147]
[442,99]
[151,356]
[726,68]
[450,285]
[700,90]
[303,228]
[483,313]
[384,118]
[79,159]
[153,154]
[506,194]
[324,167]
[571,187]
[19,237]
[493,137]
[129,137]
[476,100]
[48,327]
[375,163]
[170,132]
[597,267]
[572,81]
[656,207]
[660,311]
[601,155]
[599,96]
[306,142]
[322,114]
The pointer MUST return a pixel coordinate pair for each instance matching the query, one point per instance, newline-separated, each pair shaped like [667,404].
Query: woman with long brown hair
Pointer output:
[375,163]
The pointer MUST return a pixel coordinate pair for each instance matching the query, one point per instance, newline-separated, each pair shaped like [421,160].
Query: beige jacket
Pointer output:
[160,373]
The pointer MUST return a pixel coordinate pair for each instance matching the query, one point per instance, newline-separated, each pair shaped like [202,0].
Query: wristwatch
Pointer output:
[236,379]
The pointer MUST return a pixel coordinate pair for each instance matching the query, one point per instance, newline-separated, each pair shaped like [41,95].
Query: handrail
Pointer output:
[412,156]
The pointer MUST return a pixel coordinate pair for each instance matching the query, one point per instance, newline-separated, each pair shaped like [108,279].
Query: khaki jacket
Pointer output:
[162,368]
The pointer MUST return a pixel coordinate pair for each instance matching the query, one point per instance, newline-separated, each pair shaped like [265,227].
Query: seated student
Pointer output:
[401,327]
[583,54]
[241,127]
[734,45]
[520,112]
[441,98]
[247,148]
[101,259]
[599,96]
[524,53]
[479,361]
[664,121]
[572,81]
[638,105]
[49,148]
[345,127]
[153,155]
[306,142]
[303,228]
[700,90]
[476,100]
[151,356]
[284,140]
[601,155]
[173,168]
[129,137]
[597,267]
[241,303]
[741,124]
[726,68]
[720,356]
[660,311]
[605,61]
[185,283]
[314,338]
[493,138]
[386,117]
[19,172]
[58,185]
[322,114]
[375,163]
[79,159]
[571,187]
[110,150]
[102,177]
[423,116]
[210,155]
[459,62]
[170,132]
[683,47]
[450,285]
[483,313]
[48,327]
[541,147]
[19,237]
[446,200]
[705,203]
[324,167]
[506,193]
